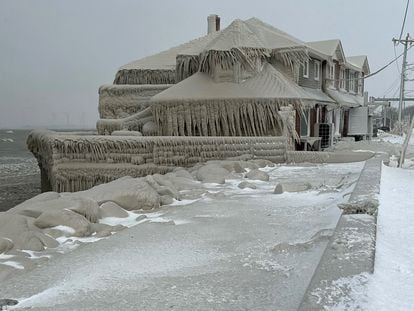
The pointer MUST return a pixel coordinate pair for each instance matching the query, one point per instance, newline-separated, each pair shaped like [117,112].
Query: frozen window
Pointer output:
[331,74]
[342,79]
[306,69]
[316,69]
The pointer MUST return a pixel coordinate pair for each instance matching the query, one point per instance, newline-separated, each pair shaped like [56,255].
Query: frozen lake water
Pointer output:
[231,250]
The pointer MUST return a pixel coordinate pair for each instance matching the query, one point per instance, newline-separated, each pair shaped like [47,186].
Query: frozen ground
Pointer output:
[386,143]
[393,278]
[232,249]
[391,286]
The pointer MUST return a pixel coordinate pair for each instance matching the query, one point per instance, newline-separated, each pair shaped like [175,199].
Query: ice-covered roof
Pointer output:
[346,100]
[166,60]
[328,47]
[360,61]
[251,33]
[269,83]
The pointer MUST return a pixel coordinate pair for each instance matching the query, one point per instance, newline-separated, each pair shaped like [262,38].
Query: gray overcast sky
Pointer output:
[55,54]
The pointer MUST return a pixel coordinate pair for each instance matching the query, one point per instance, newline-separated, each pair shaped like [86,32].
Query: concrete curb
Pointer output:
[351,249]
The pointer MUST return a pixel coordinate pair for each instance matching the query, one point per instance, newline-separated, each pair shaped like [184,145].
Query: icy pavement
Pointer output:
[231,250]
[351,250]
[392,284]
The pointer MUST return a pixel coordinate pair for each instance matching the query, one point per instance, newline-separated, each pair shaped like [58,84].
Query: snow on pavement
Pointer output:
[392,284]
[237,247]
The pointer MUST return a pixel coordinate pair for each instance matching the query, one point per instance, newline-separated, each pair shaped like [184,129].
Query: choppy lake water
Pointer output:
[19,173]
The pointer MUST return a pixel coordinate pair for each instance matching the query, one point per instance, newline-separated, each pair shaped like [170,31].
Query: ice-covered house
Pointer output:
[237,91]
[341,78]
[330,84]
[220,75]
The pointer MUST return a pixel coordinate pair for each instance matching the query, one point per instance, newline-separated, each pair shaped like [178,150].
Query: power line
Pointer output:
[392,86]
[405,17]
[388,64]
[396,62]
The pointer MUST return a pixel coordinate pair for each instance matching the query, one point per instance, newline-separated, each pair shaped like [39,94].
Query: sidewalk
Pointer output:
[233,250]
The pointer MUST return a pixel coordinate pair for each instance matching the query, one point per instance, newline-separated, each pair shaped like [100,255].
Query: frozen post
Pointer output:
[407,139]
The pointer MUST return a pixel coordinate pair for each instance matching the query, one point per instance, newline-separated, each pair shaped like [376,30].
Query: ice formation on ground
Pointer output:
[56,222]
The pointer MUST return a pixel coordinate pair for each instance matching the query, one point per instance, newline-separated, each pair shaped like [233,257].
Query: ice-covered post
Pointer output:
[406,141]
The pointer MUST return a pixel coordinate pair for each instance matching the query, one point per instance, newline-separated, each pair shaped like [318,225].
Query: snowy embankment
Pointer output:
[391,287]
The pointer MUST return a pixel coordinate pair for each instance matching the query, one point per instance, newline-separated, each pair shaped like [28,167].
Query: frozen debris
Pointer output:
[64,217]
[111,209]
[129,193]
[212,173]
[278,189]
[296,186]
[257,175]
[4,303]
[245,184]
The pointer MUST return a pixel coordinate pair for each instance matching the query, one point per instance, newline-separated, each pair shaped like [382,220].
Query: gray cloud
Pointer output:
[55,54]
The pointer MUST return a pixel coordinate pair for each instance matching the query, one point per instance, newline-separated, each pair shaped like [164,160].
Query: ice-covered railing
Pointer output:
[72,163]
[120,101]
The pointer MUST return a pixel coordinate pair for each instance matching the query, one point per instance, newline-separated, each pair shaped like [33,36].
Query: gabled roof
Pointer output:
[360,61]
[332,48]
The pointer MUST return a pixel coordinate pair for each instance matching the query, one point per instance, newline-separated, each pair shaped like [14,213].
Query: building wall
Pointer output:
[311,82]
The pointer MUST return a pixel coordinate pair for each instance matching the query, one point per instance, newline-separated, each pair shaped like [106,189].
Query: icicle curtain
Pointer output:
[186,66]
[145,76]
[76,162]
[221,117]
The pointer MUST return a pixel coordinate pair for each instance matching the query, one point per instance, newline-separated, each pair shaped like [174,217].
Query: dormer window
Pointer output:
[306,69]
[316,69]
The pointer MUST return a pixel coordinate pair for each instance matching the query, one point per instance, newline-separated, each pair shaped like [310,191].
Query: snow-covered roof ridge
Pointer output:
[360,61]
[328,47]
[166,59]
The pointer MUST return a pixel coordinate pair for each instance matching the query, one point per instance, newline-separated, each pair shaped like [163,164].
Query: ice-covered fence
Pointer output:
[78,162]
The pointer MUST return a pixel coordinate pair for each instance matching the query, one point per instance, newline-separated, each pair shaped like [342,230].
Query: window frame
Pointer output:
[342,79]
[331,75]
[305,71]
[316,69]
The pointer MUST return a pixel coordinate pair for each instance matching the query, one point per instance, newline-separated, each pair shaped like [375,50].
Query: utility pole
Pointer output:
[407,41]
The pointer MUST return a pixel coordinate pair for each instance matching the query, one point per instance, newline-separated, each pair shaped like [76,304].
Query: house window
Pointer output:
[342,79]
[360,83]
[331,75]
[351,81]
[306,69]
[316,69]
[354,82]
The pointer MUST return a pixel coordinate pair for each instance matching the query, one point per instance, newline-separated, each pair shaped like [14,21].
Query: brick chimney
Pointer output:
[213,23]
